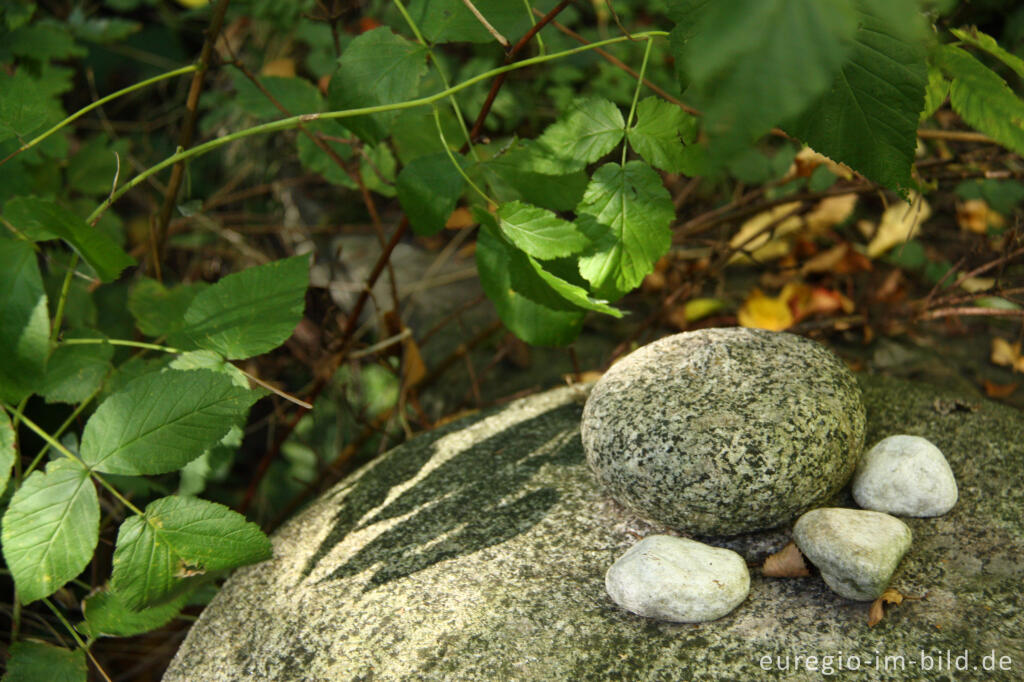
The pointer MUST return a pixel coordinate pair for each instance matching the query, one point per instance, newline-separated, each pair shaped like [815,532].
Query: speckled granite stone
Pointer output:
[857,551]
[724,431]
[905,476]
[478,553]
[678,580]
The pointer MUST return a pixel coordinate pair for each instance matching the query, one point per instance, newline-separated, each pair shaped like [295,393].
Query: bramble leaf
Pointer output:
[868,119]
[249,312]
[33,661]
[161,421]
[538,232]
[445,21]
[7,450]
[586,131]
[24,324]
[158,310]
[296,95]
[107,615]
[626,213]
[537,177]
[178,537]
[74,371]
[50,529]
[660,131]
[428,189]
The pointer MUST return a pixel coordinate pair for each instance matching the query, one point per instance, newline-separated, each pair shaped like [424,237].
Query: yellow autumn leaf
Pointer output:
[975,215]
[830,211]
[765,312]
[699,308]
[1007,354]
[284,67]
[900,223]
[761,238]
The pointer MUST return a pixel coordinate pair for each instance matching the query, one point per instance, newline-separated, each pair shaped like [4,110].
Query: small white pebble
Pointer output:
[906,476]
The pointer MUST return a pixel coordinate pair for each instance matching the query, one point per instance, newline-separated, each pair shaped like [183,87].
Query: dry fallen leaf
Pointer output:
[973,285]
[284,67]
[413,369]
[877,612]
[830,211]
[826,260]
[900,223]
[1007,354]
[788,562]
[807,160]
[974,215]
[759,242]
[460,218]
[994,390]
[765,312]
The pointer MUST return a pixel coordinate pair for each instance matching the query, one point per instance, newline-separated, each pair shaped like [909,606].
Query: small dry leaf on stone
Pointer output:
[994,390]
[1006,353]
[788,562]
[877,612]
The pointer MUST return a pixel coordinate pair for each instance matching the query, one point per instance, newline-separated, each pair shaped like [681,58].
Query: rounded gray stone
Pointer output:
[678,580]
[906,476]
[857,551]
[724,431]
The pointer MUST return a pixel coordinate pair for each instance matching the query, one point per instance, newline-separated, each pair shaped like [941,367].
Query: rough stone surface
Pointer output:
[857,551]
[906,476]
[478,552]
[724,431]
[678,580]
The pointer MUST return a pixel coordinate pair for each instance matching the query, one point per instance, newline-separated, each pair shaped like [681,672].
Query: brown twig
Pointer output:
[159,234]
[502,40]
[954,135]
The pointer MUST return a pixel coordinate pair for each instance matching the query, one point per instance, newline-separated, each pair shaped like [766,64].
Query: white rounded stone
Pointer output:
[724,431]
[678,580]
[856,551]
[907,476]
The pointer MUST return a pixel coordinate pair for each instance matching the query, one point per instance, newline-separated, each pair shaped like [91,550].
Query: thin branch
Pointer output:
[502,40]
[954,135]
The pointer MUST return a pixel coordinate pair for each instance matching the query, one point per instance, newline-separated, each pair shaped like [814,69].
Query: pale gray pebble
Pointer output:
[906,476]
[857,551]
[724,431]
[678,580]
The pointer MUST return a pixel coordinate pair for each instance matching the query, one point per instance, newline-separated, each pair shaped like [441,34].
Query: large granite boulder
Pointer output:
[478,552]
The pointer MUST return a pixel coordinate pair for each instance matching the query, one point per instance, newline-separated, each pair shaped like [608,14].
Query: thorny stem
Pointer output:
[636,96]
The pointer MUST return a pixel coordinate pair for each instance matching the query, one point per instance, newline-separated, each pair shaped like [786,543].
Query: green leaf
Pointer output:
[983,41]
[161,421]
[50,529]
[1002,196]
[208,359]
[538,232]
[532,322]
[314,158]
[982,98]
[447,21]
[586,131]
[100,29]
[42,220]
[537,177]
[660,131]
[93,168]
[106,614]
[935,93]
[43,41]
[755,63]
[74,371]
[7,450]
[428,189]
[24,324]
[34,661]
[178,537]
[378,67]
[159,311]
[626,213]
[378,169]
[24,110]
[297,95]
[868,119]
[249,312]
[568,291]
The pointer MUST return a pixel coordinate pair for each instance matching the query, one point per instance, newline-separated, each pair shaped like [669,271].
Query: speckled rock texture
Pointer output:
[857,551]
[478,553]
[905,476]
[724,431]
[678,580]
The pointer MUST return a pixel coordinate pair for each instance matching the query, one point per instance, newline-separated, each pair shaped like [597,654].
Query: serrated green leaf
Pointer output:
[586,131]
[74,371]
[159,311]
[316,159]
[983,41]
[7,450]
[660,131]
[208,359]
[178,537]
[532,174]
[868,119]
[93,168]
[160,422]
[538,232]
[24,109]
[100,29]
[35,661]
[445,21]
[377,67]
[249,312]
[935,92]
[24,324]
[532,322]
[428,189]
[982,98]
[43,41]
[378,169]
[42,220]
[755,63]
[106,614]
[50,529]
[572,293]
[626,213]
[297,95]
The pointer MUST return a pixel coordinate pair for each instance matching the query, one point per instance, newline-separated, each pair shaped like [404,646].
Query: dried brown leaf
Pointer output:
[788,562]
[994,390]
